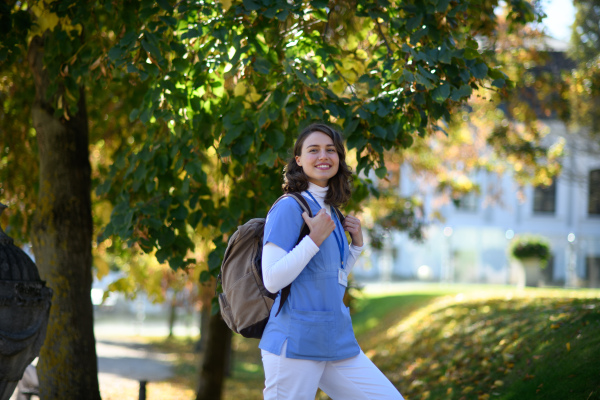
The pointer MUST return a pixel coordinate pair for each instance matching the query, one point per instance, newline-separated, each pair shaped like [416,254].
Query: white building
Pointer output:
[471,246]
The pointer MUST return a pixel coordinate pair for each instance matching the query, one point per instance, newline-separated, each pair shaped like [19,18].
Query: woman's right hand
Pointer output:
[321,226]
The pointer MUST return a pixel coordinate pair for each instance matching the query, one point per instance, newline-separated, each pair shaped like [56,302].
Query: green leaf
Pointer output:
[379,132]
[495,73]
[267,157]
[381,172]
[180,64]
[262,65]
[350,127]
[242,146]
[320,14]
[423,80]
[270,12]
[164,4]
[441,93]
[275,138]
[470,53]
[251,5]
[232,134]
[204,276]
[168,20]
[319,3]
[152,49]
[406,141]
[134,114]
[499,83]
[115,53]
[191,33]
[442,5]
[131,69]
[414,22]
[479,70]
[463,92]
[128,38]
[282,15]
[181,212]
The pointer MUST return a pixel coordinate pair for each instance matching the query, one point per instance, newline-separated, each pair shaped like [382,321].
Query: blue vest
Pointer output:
[314,319]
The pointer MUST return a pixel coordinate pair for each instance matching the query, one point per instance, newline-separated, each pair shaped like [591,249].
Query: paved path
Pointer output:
[123,363]
[132,360]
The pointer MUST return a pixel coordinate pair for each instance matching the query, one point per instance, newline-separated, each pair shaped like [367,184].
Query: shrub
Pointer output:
[530,246]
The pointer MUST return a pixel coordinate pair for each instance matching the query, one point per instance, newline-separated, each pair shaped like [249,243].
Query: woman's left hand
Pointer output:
[352,225]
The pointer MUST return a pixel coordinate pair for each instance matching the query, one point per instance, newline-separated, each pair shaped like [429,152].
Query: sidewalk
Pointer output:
[124,359]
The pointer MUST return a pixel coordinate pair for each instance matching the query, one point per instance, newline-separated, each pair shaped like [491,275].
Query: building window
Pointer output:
[467,202]
[592,272]
[544,199]
[594,193]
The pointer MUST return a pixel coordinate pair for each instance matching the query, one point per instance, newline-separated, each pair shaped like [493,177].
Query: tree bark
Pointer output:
[204,324]
[214,363]
[62,242]
[172,314]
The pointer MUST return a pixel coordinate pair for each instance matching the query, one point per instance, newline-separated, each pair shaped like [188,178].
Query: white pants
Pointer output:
[355,378]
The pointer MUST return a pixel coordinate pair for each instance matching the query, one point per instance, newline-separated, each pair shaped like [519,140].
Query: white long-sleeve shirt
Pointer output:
[280,268]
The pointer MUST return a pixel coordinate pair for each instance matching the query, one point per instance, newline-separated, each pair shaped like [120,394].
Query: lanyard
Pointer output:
[337,238]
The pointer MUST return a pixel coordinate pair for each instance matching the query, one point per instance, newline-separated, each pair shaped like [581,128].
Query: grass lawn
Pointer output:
[455,342]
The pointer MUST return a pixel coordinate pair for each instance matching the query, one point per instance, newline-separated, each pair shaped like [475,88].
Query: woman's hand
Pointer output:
[321,226]
[352,225]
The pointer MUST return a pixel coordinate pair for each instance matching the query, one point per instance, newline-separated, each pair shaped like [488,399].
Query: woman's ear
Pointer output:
[298,161]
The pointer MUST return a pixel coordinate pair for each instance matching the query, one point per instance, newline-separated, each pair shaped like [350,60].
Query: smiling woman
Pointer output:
[319,159]
[297,170]
[308,342]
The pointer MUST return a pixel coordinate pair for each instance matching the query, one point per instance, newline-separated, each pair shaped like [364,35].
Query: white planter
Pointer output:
[533,270]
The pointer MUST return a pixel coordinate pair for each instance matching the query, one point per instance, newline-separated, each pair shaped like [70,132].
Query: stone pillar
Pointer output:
[24,308]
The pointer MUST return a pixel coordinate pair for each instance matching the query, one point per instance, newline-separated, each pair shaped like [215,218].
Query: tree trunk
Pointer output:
[204,324]
[172,314]
[62,238]
[215,359]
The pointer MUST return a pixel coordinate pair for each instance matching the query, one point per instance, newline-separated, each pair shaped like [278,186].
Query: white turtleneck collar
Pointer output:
[319,194]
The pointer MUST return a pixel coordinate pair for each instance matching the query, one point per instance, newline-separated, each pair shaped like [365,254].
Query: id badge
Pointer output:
[342,277]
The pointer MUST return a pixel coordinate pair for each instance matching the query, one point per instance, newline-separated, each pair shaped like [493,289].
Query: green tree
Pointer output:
[50,67]
[584,80]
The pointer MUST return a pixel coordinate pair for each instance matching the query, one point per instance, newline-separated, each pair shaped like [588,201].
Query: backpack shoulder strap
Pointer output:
[300,199]
[285,292]
[339,214]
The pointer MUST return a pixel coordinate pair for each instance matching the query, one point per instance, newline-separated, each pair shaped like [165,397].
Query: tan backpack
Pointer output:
[245,303]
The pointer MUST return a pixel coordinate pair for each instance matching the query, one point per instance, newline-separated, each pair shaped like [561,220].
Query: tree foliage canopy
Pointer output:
[222,88]
[232,83]
[584,81]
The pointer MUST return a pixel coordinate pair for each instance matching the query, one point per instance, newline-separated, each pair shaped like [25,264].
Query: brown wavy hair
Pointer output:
[340,185]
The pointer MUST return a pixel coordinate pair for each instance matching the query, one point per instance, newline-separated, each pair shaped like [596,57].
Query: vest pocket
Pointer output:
[311,333]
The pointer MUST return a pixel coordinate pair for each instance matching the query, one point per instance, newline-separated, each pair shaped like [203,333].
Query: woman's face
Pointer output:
[319,158]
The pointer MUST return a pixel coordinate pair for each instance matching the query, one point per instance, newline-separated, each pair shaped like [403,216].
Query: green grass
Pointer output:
[540,344]
[457,342]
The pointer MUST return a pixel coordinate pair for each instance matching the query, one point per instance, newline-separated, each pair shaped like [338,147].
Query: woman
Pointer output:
[310,344]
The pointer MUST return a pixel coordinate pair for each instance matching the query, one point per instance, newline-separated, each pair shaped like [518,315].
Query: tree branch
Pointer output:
[389,49]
